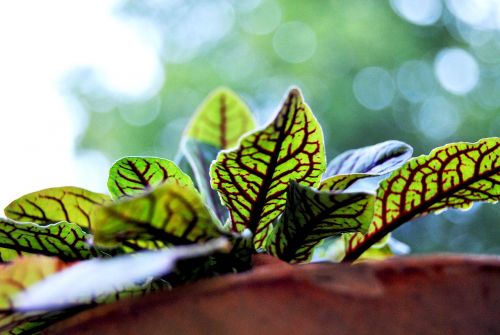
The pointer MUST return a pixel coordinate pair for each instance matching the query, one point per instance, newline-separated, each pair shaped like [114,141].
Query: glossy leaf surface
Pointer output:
[70,204]
[221,120]
[133,175]
[252,179]
[376,159]
[64,240]
[311,215]
[453,176]
[172,213]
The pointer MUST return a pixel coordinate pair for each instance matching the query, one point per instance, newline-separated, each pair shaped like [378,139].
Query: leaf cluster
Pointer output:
[234,190]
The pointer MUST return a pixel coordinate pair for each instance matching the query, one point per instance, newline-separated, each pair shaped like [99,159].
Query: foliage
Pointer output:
[255,191]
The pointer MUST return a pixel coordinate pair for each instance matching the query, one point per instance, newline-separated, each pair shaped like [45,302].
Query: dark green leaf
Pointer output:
[200,155]
[311,216]
[376,159]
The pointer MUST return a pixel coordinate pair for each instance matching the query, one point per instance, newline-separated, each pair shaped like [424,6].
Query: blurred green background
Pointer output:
[424,72]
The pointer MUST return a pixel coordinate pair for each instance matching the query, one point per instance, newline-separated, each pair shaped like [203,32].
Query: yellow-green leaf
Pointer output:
[311,216]
[252,179]
[453,176]
[64,240]
[221,120]
[171,213]
[51,205]
[130,176]
[16,277]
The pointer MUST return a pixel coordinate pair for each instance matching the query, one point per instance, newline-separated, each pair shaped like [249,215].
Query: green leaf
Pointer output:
[51,205]
[15,277]
[252,179]
[200,155]
[30,323]
[89,281]
[311,216]
[221,120]
[182,162]
[64,240]
[342,181]
[218,124]
[376,159]
[172,213]
[130,176]
[453,176]
[24,274]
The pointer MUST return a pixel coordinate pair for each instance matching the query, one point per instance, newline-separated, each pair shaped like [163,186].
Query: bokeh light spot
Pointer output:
[263,19]
[374,88]
[295,42]
[415,80]
[478,13]
[139,115]
[456,70]
[422,12]
[438,119]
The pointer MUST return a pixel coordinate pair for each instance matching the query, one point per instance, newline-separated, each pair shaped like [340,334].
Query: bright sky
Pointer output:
[40,41]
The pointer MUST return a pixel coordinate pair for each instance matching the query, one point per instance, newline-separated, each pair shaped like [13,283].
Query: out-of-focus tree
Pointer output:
[425,72]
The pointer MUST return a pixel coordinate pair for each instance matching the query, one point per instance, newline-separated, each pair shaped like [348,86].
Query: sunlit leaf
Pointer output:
[172,213]
[64,240]
[200,155]
[51,205]
[16,277]
[221,120]
[452,176]
[311,216]
[376,159]
[86,281]
[252,179]
[218,124]
[133,175]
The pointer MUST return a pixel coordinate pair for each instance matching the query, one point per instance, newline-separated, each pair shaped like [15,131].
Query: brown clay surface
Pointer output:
[425,295]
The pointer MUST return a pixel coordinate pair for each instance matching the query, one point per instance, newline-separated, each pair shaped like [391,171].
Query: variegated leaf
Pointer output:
[311,216]
[171,213]
[453,176]
[252,179]
[51,205]
[220,120]
[130,176]
[64,240]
